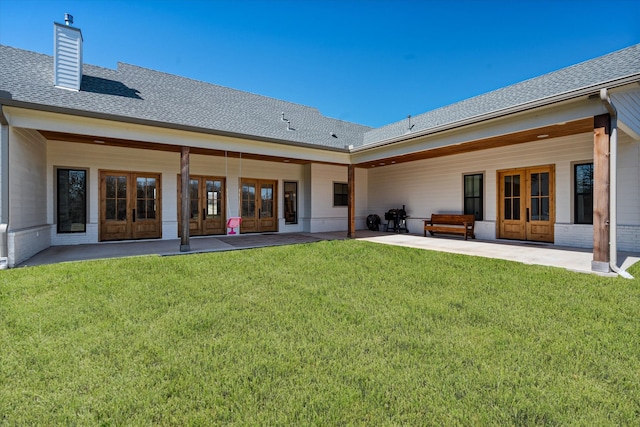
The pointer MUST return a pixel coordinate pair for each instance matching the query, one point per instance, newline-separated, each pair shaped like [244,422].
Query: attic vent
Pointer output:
[67,55]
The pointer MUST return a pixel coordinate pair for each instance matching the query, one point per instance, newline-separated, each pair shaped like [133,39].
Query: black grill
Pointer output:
[396,220]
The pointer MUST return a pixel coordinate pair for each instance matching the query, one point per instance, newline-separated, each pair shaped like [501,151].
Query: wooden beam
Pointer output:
[601,249]
[185,214]
[351,202]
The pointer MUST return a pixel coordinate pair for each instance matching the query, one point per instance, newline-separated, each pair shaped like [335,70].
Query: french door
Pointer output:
[130,206]
[206,205]
[526,205]
[258,205]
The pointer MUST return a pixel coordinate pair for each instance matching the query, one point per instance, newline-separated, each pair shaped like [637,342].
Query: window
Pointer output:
[583,197]
[340,194]
[290,202]
[473,195]
[72,200]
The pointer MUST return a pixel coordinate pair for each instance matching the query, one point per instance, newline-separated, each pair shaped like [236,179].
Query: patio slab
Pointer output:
[525,252]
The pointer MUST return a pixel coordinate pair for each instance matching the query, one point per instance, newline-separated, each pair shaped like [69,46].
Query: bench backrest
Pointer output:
[452,219]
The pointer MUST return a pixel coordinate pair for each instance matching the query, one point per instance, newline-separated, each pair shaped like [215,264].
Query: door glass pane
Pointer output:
[111,187]
[545,214]
[146,198]
[194,210]
[194,196]
[151,188]
[141,209]
[116,198]
[516,208]
[507,208]
[516,185]
[214,208]
[544,184]
[248,200]
[535,212]
[266,194]
[534,184]
[111,209]
[140,188]
[122,209]
[121,189]
[507,187]
[151,209]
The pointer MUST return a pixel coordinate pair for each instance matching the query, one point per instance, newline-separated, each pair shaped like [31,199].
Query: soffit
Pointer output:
[553,131]
[126,143]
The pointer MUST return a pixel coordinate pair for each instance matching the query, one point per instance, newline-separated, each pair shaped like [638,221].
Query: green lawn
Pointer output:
[329,333]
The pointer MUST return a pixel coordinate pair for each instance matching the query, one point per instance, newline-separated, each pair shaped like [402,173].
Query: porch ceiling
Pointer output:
[553,131]
[127,143]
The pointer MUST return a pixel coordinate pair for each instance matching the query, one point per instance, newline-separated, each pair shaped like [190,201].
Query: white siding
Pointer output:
[436,185]
[628,181]
[99,157]
[28,231]
[27,178]
[325,216]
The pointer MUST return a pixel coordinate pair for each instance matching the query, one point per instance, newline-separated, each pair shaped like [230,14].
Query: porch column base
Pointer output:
[185,248]
[600,267]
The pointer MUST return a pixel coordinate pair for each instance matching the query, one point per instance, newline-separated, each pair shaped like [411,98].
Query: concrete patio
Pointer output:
[573,259]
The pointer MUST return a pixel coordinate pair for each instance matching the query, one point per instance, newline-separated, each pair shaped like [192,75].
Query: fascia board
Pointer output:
[563,112]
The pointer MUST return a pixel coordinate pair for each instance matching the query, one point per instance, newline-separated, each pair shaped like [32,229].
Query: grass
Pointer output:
[329,333]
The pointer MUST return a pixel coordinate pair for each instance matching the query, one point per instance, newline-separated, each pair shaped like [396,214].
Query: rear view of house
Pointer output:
[89,154]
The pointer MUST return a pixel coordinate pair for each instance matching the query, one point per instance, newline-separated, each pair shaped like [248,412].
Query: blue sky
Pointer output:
[370,62]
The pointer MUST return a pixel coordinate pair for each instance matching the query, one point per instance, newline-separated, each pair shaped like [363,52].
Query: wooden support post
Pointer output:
[601,171]
[351,202]
[185,213]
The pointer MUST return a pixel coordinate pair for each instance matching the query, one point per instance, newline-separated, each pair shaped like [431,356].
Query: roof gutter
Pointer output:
[4,189]
[576,93]
[613,185]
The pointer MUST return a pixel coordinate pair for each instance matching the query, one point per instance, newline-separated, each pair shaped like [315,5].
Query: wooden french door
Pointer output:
[526,205]
[130,206]
[207,205]
[258,205]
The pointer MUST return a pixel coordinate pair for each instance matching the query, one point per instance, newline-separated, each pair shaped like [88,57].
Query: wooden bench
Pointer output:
[450,224]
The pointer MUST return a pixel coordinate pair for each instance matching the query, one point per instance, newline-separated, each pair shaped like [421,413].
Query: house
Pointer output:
[90,154]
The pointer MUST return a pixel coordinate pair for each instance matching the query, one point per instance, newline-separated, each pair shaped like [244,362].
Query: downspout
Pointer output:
[613,186]
[4,190]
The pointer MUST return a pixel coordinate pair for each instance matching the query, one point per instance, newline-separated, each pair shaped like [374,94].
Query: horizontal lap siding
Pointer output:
[27,175]
[99,157]
[325,216]
[628,182]
[436,185]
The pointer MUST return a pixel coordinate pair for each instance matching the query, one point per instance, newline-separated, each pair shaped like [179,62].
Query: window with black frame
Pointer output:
[340,194]
[290,202]
[71,200]
[583,196]
[473,195]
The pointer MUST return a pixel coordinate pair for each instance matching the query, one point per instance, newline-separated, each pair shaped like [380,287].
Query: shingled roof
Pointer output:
[589,74]
[136,93]
[133,92]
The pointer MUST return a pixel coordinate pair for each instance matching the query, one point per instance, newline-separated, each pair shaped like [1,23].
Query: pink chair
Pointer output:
[232,223]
